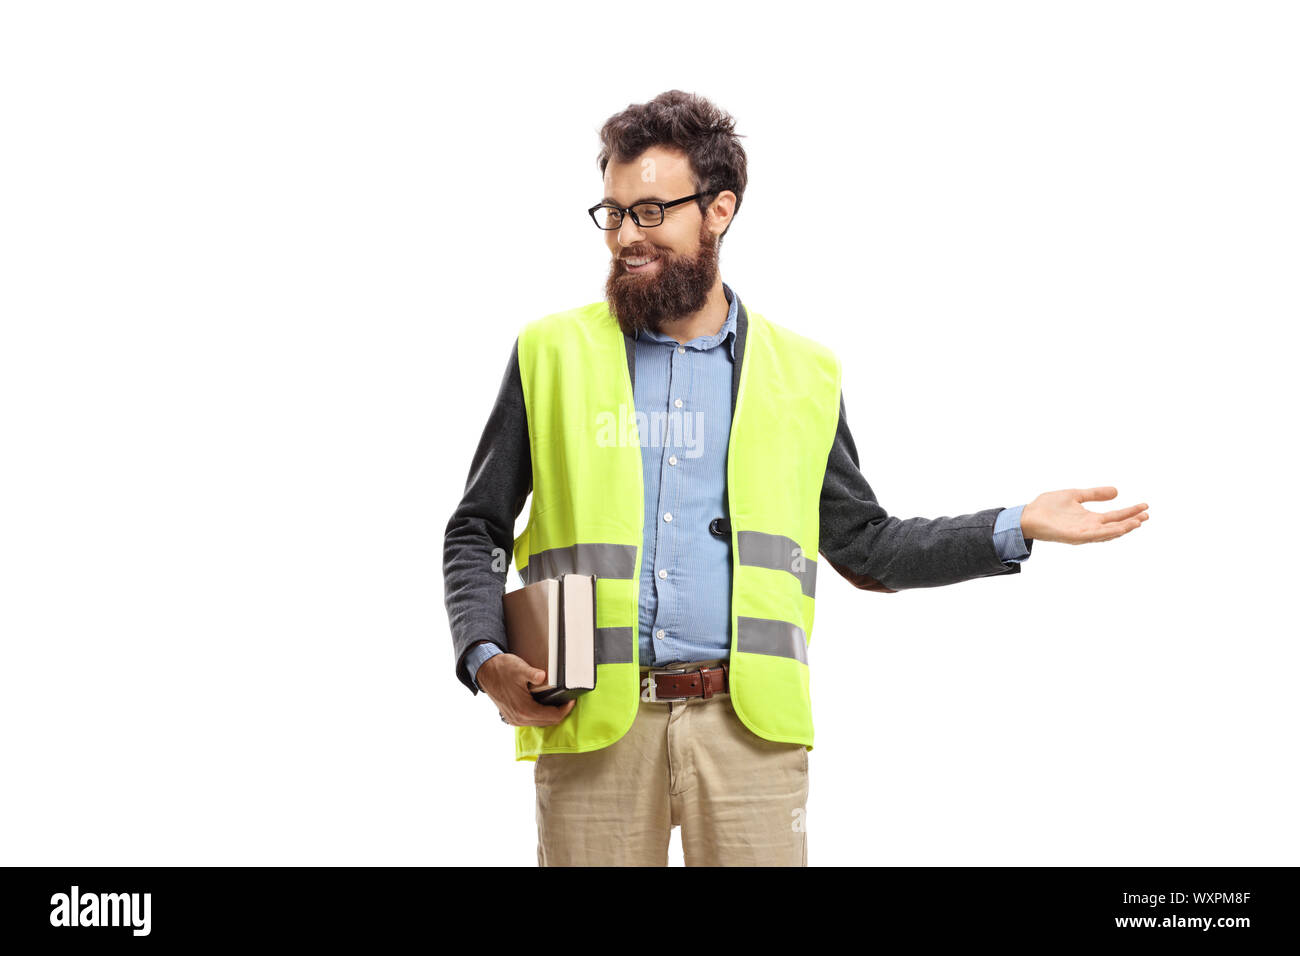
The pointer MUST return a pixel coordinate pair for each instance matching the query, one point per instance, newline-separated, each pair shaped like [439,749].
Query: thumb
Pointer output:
[537,676]
[1103,493]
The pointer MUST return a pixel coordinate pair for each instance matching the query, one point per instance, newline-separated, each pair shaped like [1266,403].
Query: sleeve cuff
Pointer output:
[1007,537]
[475,657]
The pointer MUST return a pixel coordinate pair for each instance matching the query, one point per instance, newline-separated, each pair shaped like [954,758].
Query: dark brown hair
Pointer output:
[686,122]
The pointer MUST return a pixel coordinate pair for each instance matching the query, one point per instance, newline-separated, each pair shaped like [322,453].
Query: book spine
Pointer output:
[560,683]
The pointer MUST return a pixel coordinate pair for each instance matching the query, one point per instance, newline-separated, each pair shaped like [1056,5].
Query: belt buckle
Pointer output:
[649,691]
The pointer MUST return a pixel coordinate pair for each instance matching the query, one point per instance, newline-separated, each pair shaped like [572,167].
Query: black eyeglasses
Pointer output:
[609,217]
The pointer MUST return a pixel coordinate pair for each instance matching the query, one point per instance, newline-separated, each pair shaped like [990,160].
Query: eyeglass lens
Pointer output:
[648,214]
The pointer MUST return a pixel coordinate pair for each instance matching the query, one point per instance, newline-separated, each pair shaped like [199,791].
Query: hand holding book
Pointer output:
[506,678]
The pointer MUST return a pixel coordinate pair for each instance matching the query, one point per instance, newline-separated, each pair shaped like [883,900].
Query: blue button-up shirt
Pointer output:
[685,570]
[683,405]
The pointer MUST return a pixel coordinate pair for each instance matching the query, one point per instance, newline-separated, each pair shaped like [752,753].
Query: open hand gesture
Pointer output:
[1061,516]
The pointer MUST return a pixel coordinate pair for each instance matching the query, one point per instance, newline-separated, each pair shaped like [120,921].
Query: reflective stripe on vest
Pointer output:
[760,635]
[587,515]
[776,551]
[602,560]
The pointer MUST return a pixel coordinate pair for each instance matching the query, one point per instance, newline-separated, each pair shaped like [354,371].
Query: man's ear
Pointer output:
[723,208]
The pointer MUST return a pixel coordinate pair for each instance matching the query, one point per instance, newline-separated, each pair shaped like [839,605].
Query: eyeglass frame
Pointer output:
[625,211]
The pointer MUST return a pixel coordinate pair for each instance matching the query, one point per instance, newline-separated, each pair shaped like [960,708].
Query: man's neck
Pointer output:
[707,322]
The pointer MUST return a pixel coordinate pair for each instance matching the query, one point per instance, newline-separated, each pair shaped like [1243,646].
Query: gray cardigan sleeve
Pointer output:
[500,480]
[877,552]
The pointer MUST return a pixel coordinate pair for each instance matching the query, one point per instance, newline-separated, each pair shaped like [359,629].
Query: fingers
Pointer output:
[1123,514]
[1113,531]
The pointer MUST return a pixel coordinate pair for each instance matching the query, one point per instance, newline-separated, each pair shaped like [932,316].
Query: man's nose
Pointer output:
[629,233]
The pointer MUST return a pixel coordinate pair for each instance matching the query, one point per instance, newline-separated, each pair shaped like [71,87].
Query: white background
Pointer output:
[261,270]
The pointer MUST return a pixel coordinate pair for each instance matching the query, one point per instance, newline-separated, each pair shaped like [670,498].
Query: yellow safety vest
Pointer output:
[588,509]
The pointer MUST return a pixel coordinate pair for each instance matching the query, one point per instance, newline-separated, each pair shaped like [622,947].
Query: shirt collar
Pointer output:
[727,332]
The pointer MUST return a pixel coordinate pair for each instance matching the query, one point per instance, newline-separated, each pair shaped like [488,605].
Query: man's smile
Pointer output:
[638,264]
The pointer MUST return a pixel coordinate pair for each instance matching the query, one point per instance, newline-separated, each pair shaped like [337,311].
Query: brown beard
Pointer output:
[680,287]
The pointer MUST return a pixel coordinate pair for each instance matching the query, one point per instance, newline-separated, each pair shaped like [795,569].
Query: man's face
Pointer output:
[683,249]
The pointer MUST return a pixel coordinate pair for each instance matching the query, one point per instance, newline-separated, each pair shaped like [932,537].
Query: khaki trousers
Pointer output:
[739,798]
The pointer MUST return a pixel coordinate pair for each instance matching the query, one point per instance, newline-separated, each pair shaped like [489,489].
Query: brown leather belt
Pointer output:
[680,683]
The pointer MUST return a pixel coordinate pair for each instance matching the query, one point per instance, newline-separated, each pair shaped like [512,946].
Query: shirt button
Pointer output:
[663,573]
[681,350]
[660,633]
[672,459]
[678,403]
[668,516]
